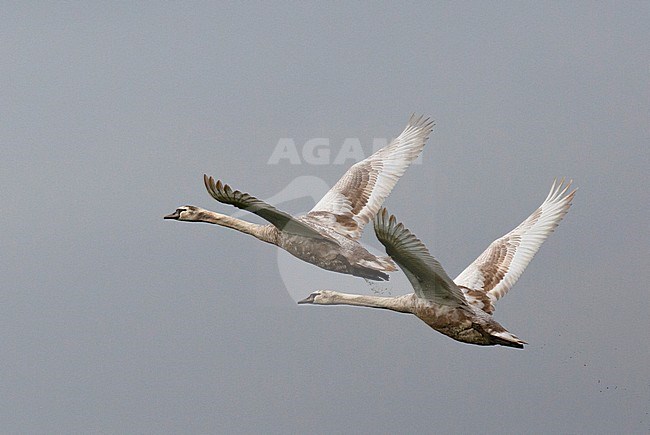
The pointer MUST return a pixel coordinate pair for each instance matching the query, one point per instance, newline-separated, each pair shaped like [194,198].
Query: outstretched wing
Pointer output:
[358,195]
[499,267]
[428,278]
[281,220]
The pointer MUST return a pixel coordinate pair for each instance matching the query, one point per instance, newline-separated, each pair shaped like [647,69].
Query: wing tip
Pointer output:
[421,122]
[392,233]
[384,223]
[217,189]
[558,192]
[208,181]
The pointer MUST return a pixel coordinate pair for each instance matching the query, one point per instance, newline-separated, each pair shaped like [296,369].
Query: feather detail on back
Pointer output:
[499,267]
[358,195]
[428,278]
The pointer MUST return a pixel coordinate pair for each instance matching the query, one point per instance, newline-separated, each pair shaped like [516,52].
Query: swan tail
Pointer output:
[505,338]
[375,269]
[385,264]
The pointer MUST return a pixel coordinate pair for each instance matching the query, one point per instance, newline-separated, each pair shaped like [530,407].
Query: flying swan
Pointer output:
[461,309]
[328,235]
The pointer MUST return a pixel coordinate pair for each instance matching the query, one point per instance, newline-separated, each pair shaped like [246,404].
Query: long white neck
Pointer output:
[402,304]
[266,233]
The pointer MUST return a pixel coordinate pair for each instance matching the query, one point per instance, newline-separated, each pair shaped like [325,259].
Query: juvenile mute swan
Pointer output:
[461,309]
[328,235]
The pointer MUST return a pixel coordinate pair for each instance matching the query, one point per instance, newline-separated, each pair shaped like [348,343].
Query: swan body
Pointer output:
[461,309]
[328,235]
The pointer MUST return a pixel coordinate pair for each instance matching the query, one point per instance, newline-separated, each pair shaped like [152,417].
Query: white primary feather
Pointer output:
[358,195]
[499,267]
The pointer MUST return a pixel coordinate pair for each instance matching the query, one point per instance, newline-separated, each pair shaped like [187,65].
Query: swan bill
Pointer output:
[308,300]
[176,215]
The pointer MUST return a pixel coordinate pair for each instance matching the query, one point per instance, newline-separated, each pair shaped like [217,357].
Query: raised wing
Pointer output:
[499,267]
[428,278]
[281,220]
[358,195]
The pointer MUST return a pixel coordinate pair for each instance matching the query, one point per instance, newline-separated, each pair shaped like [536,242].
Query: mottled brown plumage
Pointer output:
[328,236]
[461,309]
[499,267]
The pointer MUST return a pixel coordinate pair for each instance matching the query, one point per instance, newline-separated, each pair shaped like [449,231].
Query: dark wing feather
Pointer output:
[428,278]
[281,220]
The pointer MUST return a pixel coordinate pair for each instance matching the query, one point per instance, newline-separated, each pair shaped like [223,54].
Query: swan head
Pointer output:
[185,213]
[320,297]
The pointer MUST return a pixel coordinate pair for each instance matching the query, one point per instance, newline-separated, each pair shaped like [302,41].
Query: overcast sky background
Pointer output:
[115,321]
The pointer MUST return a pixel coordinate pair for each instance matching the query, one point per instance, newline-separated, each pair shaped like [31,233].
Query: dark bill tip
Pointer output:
[308,300]
[174,215]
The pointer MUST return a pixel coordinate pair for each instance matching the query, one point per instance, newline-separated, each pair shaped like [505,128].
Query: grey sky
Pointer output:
[115,321]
